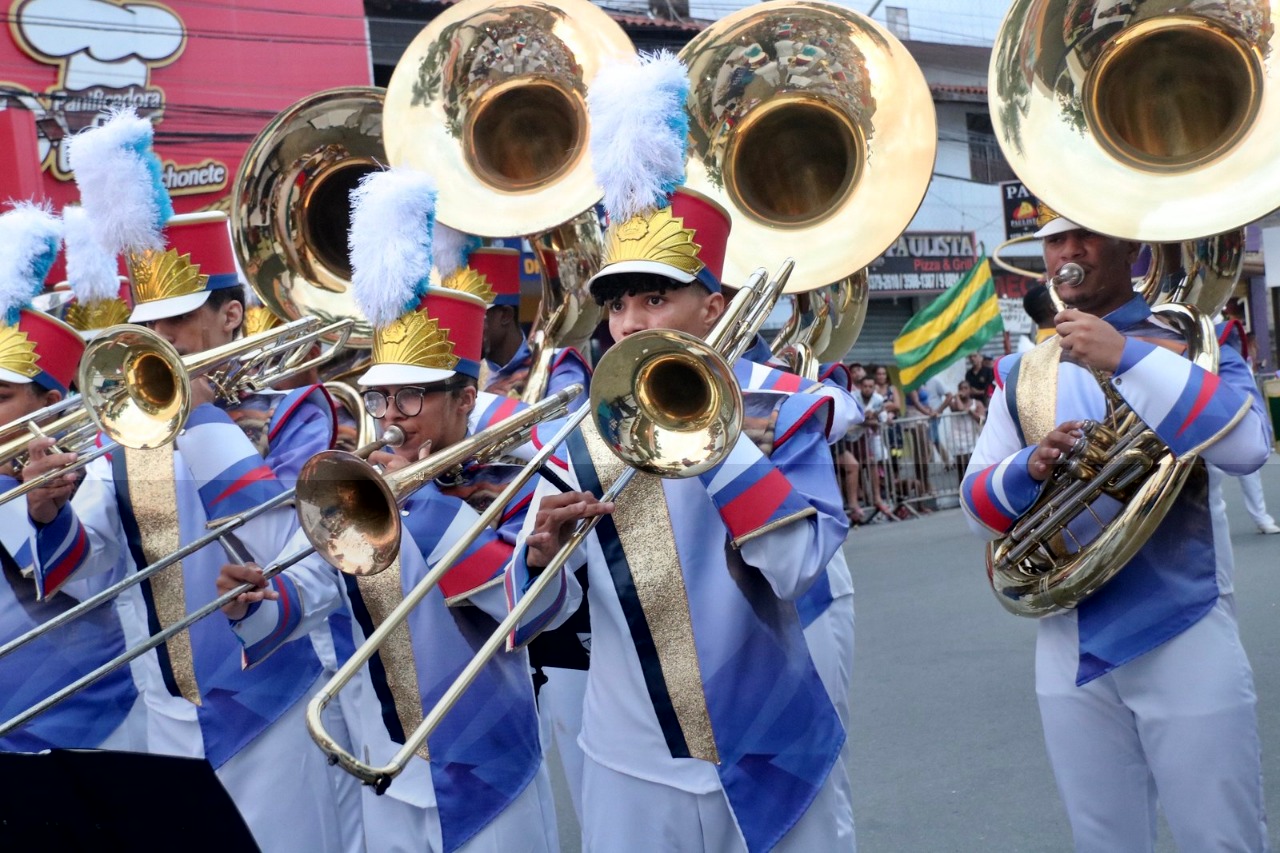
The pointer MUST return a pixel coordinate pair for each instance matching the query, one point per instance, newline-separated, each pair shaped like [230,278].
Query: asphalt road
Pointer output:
[948,755]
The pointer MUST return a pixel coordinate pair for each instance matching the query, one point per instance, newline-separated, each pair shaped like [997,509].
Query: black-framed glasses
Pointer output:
[408,400]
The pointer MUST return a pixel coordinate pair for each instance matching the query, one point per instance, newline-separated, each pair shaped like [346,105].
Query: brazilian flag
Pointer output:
[959,321]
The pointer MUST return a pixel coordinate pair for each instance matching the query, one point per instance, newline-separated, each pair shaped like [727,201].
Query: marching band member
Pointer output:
[484,785]
[507,356]
[706,725]
[1144,687]
[135,507]
[38,359]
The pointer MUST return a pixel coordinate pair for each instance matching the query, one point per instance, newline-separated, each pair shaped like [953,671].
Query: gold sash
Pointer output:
[1037,391]
[153,492]
[644,530]
[381,594]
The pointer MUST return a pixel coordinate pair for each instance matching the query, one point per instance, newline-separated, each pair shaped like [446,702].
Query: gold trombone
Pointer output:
[135,388]
[664,401]
[392,437]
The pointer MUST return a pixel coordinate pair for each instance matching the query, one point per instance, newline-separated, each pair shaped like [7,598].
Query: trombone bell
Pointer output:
[346,510]
[666,403]
[136,385]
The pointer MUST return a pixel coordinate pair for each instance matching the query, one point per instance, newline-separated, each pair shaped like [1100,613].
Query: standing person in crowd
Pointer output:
[674,723]
[980,376]
[1038,304]
[868,444]
[1232,333]
[964,430]
[1144,688]
[135,507]
[481,782]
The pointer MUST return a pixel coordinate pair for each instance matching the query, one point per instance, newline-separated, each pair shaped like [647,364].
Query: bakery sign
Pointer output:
[208,75]
[923,262]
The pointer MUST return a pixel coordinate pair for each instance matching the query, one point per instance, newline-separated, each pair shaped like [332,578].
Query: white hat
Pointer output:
[1057,225]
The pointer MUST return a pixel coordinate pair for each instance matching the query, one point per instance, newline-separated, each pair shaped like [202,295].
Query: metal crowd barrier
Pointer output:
[906,467]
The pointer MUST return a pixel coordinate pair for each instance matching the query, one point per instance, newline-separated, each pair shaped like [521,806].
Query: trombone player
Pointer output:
[1144,687]
[697,645]
[136,507]
[38,357]
[484,783]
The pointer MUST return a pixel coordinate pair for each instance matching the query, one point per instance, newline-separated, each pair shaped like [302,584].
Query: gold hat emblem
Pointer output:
[467,280]
[258,319]
[18,352]
[415,339]
[1045,214]
[101,314]
[655,236]
[163,275]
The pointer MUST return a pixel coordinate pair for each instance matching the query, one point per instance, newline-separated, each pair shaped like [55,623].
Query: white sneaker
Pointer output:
[1269,527]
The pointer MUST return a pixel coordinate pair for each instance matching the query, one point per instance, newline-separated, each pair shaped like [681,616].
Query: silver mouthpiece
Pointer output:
[1069,274]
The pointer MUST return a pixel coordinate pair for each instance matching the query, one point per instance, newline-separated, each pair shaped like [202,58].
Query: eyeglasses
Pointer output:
[408,401]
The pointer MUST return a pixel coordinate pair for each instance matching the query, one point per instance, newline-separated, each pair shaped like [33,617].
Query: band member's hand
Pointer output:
[232,576]
[388,461]
[1089,341]
[201,391]
[1051,448]
[556,519]
[44,503]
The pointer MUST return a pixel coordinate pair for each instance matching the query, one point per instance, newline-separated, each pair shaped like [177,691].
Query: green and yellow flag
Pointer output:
[959,321]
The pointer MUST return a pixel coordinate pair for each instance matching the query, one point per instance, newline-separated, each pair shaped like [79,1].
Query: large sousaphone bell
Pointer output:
[491,99]
[815,128]
[1151,121]
[291,210]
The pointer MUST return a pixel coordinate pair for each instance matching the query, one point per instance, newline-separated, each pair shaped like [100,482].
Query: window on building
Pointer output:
[986,161]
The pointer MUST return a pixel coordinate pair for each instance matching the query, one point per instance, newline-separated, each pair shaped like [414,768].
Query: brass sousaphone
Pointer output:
[490,98]
[815,128]
[291,208]
[1154,122]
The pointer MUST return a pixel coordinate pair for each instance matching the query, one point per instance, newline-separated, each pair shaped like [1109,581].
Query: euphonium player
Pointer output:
[706,725]
[484,786]
[135,507]
[38,358]
[1144,687]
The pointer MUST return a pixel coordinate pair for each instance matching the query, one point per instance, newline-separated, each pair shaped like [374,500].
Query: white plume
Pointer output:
[91,268]
[392,218]
[450,249]
[120,183]
[638,132]
[29,239]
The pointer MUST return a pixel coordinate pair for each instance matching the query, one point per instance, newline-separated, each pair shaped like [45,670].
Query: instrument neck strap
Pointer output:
[150,501]
[639,547]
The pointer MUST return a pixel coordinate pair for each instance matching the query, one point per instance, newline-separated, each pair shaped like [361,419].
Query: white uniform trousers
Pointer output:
[1178,724]
[528,825]
[1254,500]
[131,734]
[830,642]
[626,814]
[559,722]
[280,782]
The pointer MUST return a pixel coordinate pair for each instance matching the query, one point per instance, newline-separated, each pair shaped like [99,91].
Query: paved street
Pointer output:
[947,748]
[948,752]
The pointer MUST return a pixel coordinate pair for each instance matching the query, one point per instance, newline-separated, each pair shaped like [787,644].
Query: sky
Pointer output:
[947,21]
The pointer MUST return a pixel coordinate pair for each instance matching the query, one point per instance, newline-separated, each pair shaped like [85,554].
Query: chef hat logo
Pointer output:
[136,34]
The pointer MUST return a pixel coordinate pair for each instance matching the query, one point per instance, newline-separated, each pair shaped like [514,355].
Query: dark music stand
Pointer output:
[88,799]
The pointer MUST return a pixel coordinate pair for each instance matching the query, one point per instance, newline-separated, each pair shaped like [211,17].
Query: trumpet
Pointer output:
[393,437]
[136,388]
[678,392]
